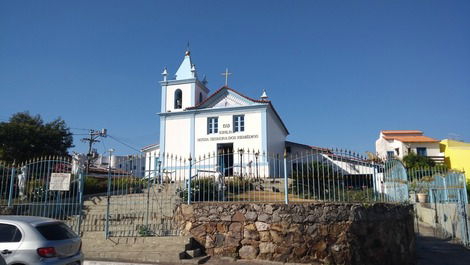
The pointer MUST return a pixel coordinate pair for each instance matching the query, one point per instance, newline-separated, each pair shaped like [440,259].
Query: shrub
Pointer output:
[316,178]
[238,185]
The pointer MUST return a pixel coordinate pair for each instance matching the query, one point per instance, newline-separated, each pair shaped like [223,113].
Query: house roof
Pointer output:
[412,139]
[407,136]
[220,90]
[402,132]
[225,88]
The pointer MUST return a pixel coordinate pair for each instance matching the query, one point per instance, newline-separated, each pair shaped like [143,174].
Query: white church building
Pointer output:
[194,123]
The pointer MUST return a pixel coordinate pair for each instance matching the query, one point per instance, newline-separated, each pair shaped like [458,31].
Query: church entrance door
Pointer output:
[225,159]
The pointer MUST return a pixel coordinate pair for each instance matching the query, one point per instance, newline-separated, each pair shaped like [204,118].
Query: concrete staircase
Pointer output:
[141,227]
[154,250]
[137,214]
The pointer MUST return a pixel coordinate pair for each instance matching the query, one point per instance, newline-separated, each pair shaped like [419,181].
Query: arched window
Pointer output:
[200,97]
[178,98]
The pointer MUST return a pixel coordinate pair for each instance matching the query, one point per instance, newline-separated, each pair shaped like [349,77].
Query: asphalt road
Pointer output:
[434,251]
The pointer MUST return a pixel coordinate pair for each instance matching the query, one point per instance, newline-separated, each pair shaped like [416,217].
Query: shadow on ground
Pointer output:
[434,251]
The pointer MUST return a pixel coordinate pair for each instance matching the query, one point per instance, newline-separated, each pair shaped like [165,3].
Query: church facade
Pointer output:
[194,122]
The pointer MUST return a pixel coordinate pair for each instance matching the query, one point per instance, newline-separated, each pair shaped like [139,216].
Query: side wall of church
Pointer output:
[177,135]
[276,135]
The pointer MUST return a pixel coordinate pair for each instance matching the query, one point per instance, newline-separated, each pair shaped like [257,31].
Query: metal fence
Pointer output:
[443,202]
[319,175]
[138,195]
[43,187]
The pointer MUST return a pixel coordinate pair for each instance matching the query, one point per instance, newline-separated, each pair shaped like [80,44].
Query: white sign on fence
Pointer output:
[60,181]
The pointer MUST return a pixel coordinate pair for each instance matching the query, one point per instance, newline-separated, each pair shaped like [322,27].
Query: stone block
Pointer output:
[266,247]
[248,252]
[238,217]
[251,216]
[261,226]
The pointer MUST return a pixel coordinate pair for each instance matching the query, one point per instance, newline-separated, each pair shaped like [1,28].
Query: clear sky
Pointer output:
[337,72]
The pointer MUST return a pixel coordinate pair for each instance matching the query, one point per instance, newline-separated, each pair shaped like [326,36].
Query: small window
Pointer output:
[239,123]
[212,125]
[390,154]
[178,99]
[421,151]
[200,97]
[9,233]
[397,151]
[56,231]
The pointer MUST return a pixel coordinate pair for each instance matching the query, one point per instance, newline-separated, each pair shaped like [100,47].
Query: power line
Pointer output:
[119,141]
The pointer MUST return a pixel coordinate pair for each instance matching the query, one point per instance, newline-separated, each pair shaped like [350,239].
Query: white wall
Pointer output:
[177,135]
[276,134]
[382,146]
[207,143]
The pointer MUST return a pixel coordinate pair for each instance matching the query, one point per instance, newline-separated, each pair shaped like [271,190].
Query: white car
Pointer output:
[30,240]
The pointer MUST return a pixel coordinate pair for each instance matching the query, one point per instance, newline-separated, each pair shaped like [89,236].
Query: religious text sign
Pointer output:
[60,181]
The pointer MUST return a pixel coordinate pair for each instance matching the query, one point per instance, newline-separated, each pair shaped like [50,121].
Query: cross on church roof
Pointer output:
[226,74]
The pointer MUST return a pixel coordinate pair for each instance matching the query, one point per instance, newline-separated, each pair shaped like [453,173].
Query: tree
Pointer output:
[25,136]
[413,160]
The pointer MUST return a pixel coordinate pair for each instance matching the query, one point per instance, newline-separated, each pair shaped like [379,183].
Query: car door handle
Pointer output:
[6,252]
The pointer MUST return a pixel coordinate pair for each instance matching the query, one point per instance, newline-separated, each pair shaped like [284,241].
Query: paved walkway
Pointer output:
[434,251]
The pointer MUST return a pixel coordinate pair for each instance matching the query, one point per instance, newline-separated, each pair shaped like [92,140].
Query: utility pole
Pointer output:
[93,138]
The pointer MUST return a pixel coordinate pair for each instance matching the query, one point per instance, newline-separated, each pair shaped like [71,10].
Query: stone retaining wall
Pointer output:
[308,233]
[4,210]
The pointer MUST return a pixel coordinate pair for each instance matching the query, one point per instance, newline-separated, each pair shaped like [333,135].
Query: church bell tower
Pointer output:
[185,90]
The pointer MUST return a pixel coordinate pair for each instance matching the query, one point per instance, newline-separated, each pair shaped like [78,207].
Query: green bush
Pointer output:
[122,185]
[316,178]
[238,185]
[413,160]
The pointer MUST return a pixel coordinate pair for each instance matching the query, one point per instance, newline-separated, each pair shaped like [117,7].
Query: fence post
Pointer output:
[12,182]
[80,198]
[106,230]
[189,179]
[286,185]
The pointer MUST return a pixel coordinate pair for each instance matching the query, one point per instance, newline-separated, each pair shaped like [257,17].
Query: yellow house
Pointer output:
[457,155]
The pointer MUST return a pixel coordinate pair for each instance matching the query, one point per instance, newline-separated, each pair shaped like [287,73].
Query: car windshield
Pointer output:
[56,231]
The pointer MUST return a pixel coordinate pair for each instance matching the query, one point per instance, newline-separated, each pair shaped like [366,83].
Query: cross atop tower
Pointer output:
[226,74]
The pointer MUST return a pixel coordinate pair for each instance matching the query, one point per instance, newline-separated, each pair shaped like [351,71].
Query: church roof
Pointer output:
[204,104]
[185,71]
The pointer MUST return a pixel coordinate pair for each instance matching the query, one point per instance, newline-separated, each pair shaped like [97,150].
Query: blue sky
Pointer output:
[337,71]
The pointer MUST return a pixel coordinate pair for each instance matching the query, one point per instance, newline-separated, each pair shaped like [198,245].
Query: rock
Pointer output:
[232,241]
[187,210]
[251,234]
[265,236]
[221,228]
[248,252]
[209,242]
[238,217]
[319,246]
[275,217]
[266,247]
[235,227]
[275,236]
[219,240]
[251,216]
[277,227]
[226,218]
[260,226]
[199,231]
[250,227]
[263,217]
[300,251]
[188,226]
[268,209]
